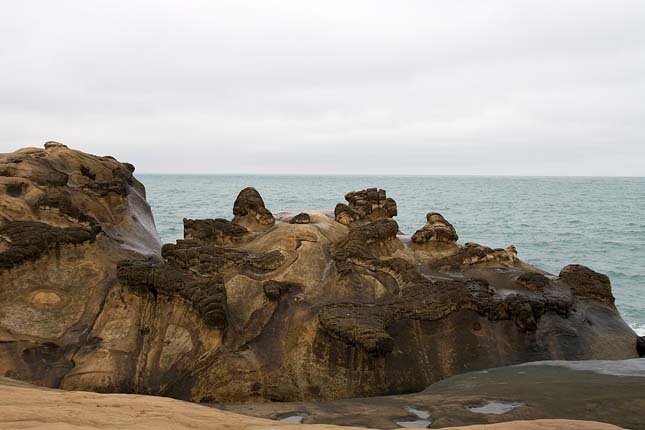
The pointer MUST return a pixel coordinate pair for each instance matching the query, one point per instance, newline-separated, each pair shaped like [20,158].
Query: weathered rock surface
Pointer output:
[66,219]
[249,210]
[258,310]
[605,391]
[437,230]
[364,206]
[301,218]
[24,406]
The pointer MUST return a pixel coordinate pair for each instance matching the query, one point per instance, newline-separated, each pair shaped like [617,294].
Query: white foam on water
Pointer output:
[494,407]
[639,328]
[631,367]
[423,422]
[293,419]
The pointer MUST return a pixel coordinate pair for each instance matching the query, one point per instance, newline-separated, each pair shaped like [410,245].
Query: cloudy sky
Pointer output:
[363,87]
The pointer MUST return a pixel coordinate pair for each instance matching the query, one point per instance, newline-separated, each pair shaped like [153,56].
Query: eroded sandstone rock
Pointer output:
[587,284]
[249,210]
[218,231]
[364,206]
[66,219]
[258,310]
[301,218]
[437,230]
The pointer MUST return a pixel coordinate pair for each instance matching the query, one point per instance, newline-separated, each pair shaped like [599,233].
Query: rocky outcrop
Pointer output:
[301,218]
[473,254]
[249,210]
[437,230]
[66,219]
[257,310]
[364,206]
[587,284]
[219,232]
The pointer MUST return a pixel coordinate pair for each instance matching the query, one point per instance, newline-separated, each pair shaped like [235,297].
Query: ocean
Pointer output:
[553,221]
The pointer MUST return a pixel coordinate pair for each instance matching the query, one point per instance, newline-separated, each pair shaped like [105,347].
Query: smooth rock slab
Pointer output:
[603,391]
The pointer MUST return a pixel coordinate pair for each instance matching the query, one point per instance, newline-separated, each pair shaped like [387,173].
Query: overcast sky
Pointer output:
[362,87]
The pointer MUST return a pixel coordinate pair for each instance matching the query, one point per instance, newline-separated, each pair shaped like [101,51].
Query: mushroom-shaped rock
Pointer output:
[249,210]
[587,284]
[365,206]
[436,230]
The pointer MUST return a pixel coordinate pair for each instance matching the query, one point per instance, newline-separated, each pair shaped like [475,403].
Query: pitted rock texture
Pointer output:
[66,219]
[587,284]
[301,218]
[218,231]
[258,310]
[249,210]
[437,229]
[29,240]
[207,295]
[364,206]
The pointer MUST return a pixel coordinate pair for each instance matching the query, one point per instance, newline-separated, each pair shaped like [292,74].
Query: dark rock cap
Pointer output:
[301,218]
[368,205]
[437,229]
[249,209]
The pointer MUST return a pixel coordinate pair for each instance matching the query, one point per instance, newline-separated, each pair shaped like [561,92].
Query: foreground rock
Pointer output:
[31,408]
[66,220]
[255,309]
[605,391]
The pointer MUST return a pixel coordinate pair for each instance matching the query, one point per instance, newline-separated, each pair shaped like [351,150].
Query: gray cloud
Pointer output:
[363,87]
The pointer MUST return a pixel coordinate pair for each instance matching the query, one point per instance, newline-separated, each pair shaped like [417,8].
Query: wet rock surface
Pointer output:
[55,409]
[254,309]
[611,392]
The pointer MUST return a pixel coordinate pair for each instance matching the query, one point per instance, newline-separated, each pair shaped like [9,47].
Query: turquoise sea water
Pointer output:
[598,222]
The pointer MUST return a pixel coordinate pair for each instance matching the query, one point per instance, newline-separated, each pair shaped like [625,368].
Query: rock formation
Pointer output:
[364,206]
[249,210]
[252,309]
[437,230]
[66,220]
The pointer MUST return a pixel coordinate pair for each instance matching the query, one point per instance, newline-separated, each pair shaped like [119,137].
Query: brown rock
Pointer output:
[437,229]
[249,210]
[587,284]
[534,281]
[257,311]
[218,231]
[301,218]
[365,206]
